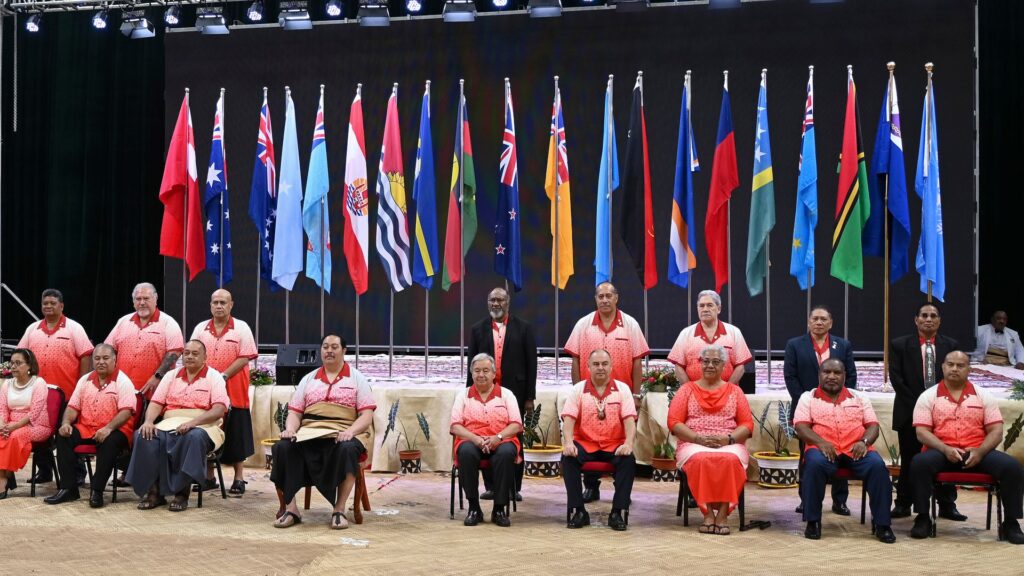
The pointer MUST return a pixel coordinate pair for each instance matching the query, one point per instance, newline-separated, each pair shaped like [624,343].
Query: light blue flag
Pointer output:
[801,264]
[931,259]
[315,215]
[288,231]
[607,184]
[424,194]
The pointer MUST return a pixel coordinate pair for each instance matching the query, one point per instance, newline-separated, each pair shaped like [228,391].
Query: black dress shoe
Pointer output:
[884,534]
[951,513]
[616,521]
[579,519]
[900,511]
[922,527]
[96,499]
[41,479]
[473,518]
[813,530]
[1011,532]
[487,495]
[840,509]
[500,518]
[519,497]
[591,495]
[62,496]
[799,508]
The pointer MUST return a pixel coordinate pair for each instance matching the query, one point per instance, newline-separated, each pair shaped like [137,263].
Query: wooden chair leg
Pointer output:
[366,494]
[357,498]
[309,494]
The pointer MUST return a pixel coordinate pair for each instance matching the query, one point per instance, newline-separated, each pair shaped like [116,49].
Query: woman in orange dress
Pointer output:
[711,420]
[23,417]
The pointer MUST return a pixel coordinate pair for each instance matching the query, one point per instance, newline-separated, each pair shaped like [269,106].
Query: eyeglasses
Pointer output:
[711,361]
[16,363]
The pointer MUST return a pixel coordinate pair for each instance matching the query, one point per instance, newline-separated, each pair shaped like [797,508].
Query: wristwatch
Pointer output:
[500,437]
[865,441]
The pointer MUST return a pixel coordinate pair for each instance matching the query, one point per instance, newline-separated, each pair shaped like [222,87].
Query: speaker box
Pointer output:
[748,382]
[295,361]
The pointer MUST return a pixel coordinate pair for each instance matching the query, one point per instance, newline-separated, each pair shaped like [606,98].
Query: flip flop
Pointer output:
[338,521]
[721,530]
[706,529]
[237,488]
[179,504]
[288,519]
[150,503]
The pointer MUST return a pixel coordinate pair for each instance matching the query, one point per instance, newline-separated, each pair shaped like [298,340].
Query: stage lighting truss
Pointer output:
[334,8]
[374,13]
[544,8]
[210,20]
[631,5]
[459,11]
[294,16]
[135,25]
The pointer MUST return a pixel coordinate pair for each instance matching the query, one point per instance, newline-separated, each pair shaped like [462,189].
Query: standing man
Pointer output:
[229,349]
[510,341]
[915,364]
[62,349]
[599,425]
[617,333]
[997,344]
[804,354]
[710,330]
[148,341]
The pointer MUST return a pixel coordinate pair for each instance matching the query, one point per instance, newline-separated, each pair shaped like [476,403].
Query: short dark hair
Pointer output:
[338,336]
[30,359]
[198,341]
[932,304]
[610,285]
[105,346]
[53,292]
[820,307]
[836,361]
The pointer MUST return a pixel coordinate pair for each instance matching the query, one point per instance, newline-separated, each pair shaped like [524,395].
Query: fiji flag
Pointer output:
[314,207]
[263,196]
[931,264]
[218,223]
[424,193]
[682,238]
[508,260]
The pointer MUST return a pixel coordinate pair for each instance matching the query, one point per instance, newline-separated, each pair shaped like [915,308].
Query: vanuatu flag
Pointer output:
[853,204]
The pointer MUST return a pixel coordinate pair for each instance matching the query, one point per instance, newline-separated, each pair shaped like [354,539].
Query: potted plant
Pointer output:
[659,380]
[894,457]
[280,417]
[262,377]
[410,457]
[543,460]
[664,461]
[778,467]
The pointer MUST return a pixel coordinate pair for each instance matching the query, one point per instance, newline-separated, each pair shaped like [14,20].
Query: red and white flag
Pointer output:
[178,188]
[357,199]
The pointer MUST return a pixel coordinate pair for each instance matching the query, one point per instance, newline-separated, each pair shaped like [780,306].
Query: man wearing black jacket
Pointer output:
[511,342]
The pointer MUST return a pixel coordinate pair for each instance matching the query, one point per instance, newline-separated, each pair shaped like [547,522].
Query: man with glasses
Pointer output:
[915,364]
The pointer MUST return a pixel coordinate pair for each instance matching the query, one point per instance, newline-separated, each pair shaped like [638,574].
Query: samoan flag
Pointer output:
[508,260]
[263,196]
[218,217]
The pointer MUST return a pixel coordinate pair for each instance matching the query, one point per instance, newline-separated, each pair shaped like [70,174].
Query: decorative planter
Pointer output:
[664,470]
[777,471]
[543,462]
[268,446]
[410,460]
[894,474]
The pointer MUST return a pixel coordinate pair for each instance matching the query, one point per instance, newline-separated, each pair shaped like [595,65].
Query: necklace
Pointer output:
[601,407]
[27,383]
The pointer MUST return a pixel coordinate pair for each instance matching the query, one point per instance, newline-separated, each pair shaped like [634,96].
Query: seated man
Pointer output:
[101,410]
[171,454]
[960,426]
[599,425]
[838,426]
[998,344]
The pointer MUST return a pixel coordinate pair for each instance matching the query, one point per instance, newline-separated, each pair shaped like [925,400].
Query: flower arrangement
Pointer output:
[262,377]
[780,432]
[659,380]
[5,370]
[411,442]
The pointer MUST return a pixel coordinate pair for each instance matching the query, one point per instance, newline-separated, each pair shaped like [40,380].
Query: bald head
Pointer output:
[221,305]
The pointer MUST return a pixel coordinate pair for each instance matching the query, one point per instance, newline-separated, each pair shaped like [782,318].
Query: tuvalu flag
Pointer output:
[357,199]
[607,184]
[556,185]
[725,178]
[315,216]
[288,245]
[853,203]
[682,237]
[931,257]
[392,223]
[508,261]
[762,197]
[218,216]
[637,215]
[461,225]
[805,220]
[179,193]
[424,194]
[889,170]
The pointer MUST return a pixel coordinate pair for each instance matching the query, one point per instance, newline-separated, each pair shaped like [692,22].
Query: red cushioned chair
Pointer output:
[847,474]
[88,451]
[54,411]
[684,494]
[604,469]
[974,479]
[484,465]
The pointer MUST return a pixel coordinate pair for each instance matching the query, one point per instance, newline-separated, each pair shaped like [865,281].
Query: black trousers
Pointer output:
[1006,470]
[107,453]
[625,472]
[910,449]
[502,471]
[520,471]
[840,488]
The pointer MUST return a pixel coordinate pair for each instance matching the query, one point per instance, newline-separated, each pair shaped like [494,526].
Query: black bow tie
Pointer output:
[999,331]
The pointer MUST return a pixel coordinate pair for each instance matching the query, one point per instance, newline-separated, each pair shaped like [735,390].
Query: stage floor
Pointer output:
[408,532]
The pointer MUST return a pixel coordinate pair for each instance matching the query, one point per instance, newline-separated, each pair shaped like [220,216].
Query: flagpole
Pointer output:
[288,293]
[891,66]
[391,333]
[184,224]
[929,67]
[357,331]
[224,154]
[767,269]
[323,237]
[810,80]
[259,265]
[462,224]
[647,359]
[728,231]
[689,166]
[426,292]
[808,293]
[558,198]
[608,173]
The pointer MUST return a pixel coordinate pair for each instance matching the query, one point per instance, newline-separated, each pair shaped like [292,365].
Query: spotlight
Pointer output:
[173,15]
[210,20]
[631,5]
[459,11]
[134,25]
[374,13]
[500,3]
[544,8]
[99,21]
[32,22]
[294,16]
[255,11]
[413,6]
[334,8]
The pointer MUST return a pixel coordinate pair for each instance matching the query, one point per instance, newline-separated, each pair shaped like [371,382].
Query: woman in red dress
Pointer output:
[23,417]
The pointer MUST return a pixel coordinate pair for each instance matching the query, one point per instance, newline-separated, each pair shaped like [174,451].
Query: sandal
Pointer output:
[338,521]
[706,529]
[148,503]
[179,504]
[237,488]
[288,519]
[721,530]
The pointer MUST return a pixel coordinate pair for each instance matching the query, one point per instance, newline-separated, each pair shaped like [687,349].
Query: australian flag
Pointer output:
[218,217]
[507,258]
[263,198]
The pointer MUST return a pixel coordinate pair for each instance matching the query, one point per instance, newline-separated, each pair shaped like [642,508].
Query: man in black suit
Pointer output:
[804,354]
[511,342]
[915,364]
